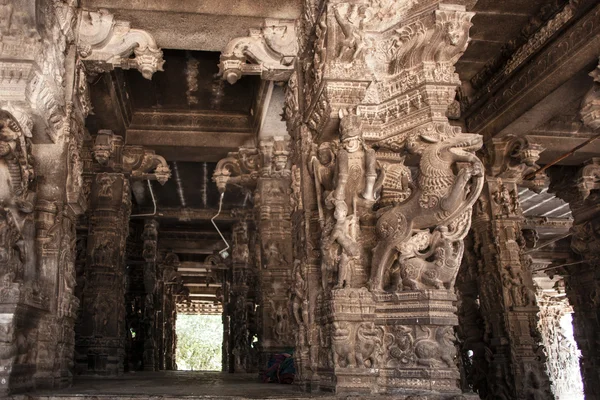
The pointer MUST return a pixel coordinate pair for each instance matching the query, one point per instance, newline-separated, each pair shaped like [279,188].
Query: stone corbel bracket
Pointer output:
[136,161]
[589,178]
[515,158]
[145,164]
[269,52]
[106,43]
[590,107]
[239,168]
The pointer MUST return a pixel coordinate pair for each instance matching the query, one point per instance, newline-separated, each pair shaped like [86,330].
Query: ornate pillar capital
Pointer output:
[239,168]
[105,43]
[514,159]
[269,51]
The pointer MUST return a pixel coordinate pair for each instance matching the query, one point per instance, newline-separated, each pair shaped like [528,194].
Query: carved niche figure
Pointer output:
[103,308]
[400,344]
[360,347]
[368,345]
[322,167]
[105,181]
[103,253]
[279,318]
[438,350]
[507,201]
[345,232]
[343,345]
[352,25]
[241,251]
[417,272]
[356,172]
[17,229]
[521,295]
[274,257]
[300,300]
[441,198]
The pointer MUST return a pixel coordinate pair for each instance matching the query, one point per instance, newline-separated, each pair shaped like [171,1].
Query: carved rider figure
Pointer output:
[356,165]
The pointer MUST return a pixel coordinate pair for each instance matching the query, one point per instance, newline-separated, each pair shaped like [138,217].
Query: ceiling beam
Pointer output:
[558,62]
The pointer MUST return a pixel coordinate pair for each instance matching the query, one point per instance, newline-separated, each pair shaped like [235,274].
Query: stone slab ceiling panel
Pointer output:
[201,25]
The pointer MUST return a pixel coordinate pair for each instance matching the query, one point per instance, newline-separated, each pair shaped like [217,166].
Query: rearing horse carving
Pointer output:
[439,198]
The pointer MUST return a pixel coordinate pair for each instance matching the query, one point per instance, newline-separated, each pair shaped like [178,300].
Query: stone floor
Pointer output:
[170,385]
[198,385]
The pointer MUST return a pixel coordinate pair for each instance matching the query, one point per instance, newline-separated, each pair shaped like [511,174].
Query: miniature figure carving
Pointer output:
[435,352]
[352,25]
[343,345]
[368,345]
[521,295]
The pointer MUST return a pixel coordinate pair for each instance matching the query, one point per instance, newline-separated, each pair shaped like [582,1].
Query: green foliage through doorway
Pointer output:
[199,341]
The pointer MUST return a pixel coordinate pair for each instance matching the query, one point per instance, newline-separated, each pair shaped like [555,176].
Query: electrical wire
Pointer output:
[223,252]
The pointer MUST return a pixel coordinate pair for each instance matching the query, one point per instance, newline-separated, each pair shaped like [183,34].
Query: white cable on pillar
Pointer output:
[223,253]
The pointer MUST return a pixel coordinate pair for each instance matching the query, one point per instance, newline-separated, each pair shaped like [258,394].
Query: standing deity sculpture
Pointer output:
[346,184]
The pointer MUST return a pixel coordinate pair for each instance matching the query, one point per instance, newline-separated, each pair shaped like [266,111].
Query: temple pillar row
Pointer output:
[264,170]
[515,361]
[109,168]
[580,188]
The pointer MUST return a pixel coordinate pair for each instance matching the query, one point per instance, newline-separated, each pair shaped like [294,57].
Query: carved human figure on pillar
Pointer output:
[323,167]
[356,165]
[521,295]
[300,301]
[344,233]
[17,230]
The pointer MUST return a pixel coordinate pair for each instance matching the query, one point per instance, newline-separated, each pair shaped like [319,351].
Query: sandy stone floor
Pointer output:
[169,385]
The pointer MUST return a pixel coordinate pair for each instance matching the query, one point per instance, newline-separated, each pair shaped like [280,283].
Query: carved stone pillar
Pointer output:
[170,291]
[580,190]
[387,195]
[266,170]
[100,337]
[241,306]
[561,349]
[516,361]
[101,330]
[150,238]
[273,213]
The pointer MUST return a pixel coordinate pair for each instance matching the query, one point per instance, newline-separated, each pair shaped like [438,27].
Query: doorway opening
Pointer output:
[199,342]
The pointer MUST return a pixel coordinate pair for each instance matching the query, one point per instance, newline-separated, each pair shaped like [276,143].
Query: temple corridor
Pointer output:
[351,199]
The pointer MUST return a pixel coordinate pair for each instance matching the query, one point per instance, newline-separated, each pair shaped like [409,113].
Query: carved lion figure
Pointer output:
[434,353]
[368,345]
